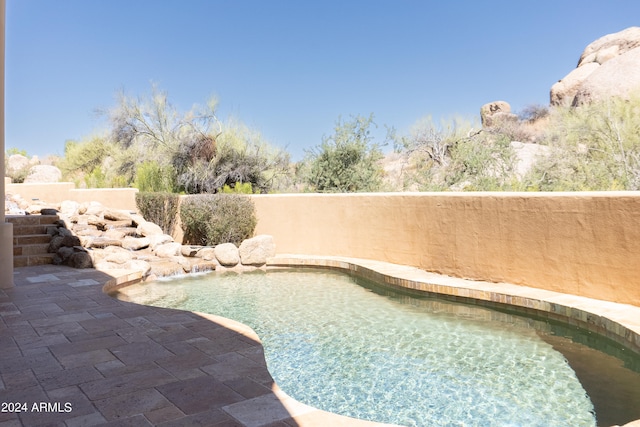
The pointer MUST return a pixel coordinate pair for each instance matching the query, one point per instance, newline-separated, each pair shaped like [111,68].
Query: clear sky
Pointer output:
[289,68]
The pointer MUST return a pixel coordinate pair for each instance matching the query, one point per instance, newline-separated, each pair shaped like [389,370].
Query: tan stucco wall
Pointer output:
[580,243]
[116,198]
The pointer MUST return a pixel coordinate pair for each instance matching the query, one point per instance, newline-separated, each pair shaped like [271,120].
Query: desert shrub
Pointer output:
[154,177]
[160,208]
[593,147]
[453,155]
[347,161]
[533,112]
[211,219]
[238,188]
[483,162]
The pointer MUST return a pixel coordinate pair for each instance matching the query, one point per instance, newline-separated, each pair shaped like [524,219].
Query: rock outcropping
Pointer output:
[610,66]
[494,113]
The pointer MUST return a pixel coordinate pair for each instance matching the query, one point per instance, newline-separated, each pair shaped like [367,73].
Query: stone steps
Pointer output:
[31,240]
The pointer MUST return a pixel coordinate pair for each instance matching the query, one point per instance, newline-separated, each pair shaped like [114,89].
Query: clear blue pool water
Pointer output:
[374,354]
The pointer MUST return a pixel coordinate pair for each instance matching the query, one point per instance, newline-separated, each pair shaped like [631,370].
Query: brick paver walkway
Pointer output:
[71,355]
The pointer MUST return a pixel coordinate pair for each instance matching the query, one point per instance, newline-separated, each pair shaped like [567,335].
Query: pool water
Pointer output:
[366,352]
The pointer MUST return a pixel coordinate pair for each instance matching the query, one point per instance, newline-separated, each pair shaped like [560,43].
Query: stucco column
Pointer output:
[6,229]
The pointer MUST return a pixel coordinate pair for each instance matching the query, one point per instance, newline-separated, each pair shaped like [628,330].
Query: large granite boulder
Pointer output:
[227,254]
[618,77]
[17,163]
[609,66]
[43,174]
[256,250]
[495,112]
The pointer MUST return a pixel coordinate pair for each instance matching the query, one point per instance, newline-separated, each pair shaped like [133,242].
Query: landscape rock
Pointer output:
[227,254]
[116,215]
[139,265]
[168,250]
[69,208]
[80,259]
[147,229]
[190,250]
[119,257]
[165,268]
[48,211]
[103,242]
[206,253]
[199,265]
[256,250]
[135,243]
[114,233]
[159,239]
[91,208]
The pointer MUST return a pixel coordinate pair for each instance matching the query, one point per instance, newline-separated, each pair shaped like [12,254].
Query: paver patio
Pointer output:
[84,358]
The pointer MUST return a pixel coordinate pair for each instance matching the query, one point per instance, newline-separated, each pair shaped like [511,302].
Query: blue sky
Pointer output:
[289,68]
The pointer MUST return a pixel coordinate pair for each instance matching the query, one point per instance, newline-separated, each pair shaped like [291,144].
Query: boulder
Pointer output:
[610,46]
[190,250]
[103,242]
[119,257]
[114,233]
[168,250]
[116,215]
[43,174]
[165,268]
[199,265]
[135,243]
[48,211]
[488,111]
[206,253]
[227,254]
[69,208]
[16,163]
[147,229]
[139,265]
[80,259]
[159,239]
[607,67]
[256,250]
[619,77]
[563,92]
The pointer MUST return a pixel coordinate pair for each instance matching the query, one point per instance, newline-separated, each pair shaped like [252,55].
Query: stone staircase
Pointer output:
[30,239]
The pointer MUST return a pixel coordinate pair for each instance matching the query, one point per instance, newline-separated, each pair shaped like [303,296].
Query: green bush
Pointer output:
[159,208]
[238,188]
[347,161]
[592,147]
[211,219]
[151,176]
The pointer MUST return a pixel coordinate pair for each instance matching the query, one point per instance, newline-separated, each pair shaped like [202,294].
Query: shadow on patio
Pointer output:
[93,360]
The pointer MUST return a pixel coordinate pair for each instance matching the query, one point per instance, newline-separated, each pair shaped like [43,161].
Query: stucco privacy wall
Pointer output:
[116,198]
[580,243]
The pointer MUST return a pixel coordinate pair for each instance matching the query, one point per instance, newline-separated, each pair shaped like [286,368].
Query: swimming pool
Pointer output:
[367,352]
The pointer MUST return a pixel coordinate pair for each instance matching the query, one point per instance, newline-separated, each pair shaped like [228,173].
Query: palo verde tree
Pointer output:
[155,147]
[347,161]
